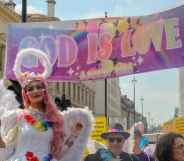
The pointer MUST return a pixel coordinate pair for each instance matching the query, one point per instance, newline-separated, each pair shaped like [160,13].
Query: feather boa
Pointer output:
[71,116]
[7,100]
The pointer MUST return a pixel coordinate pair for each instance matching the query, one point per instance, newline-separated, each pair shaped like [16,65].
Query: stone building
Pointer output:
[127,106]
[111,108]
[82,93]
[181,91]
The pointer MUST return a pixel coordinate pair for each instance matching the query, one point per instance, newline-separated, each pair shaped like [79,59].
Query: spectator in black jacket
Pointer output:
[115,139]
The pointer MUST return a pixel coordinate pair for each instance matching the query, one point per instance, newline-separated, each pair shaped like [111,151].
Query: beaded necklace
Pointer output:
[30,156]
[35,119]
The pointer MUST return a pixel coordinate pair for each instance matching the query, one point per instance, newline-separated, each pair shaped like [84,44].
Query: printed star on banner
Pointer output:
[70,71]
[140,60]
[42,37]
[137,59]
[133,58]
[78,68]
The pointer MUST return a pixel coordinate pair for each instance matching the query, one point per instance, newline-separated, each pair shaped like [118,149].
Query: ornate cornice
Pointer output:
[2,38]
[41,18]
[8,14]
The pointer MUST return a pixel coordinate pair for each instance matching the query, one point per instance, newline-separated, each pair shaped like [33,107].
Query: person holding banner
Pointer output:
[40,132]
[115,137]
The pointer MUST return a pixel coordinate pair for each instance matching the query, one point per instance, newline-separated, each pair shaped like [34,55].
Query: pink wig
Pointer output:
[53,115]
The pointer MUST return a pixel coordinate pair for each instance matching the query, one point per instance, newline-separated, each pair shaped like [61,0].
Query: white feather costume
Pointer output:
[20,137]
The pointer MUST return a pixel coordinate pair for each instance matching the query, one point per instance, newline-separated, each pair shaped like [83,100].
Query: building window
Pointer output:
[83,94]
[78,93]
[74,91]
[50,88]
[86,96]
[63,89]
[2,47]
[93,101]
[57,87]
[69,89]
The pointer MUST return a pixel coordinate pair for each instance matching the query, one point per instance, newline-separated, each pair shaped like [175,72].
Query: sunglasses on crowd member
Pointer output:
[115,140]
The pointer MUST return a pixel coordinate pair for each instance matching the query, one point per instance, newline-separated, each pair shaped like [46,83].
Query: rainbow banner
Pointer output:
[101,48]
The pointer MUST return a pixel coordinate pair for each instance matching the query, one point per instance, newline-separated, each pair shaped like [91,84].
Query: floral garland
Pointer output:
[31,157]
[39,124]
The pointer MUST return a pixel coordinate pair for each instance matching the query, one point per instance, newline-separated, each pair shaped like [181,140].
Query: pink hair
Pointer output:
[53,115]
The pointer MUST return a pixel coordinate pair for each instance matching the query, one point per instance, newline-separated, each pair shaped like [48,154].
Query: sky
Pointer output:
[160,89]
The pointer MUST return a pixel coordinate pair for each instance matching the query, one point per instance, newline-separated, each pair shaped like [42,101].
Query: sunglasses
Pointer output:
[115,140]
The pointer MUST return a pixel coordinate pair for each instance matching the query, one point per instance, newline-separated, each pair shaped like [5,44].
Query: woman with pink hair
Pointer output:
[40,132]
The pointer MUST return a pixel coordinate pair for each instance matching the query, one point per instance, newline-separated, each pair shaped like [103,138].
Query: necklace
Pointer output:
[30,156]
[35,119]
[36,113]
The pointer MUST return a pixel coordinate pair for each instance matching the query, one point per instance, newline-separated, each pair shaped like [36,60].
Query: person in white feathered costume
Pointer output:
[40,132]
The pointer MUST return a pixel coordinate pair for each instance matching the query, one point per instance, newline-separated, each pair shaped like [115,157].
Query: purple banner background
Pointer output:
[101,48]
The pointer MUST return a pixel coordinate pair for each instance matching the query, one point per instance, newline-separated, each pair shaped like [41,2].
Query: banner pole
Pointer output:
[24,10]
[106,105]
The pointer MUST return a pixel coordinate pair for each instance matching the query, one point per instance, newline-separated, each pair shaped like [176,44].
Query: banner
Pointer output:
[101,48]
[100,127]
[175,125]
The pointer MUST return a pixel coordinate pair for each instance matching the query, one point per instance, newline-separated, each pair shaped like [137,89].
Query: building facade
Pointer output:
[80,94]
[114,101]
[85,93]
[7,15]
[127,106]
[107,100]
[181,91]
[71,90]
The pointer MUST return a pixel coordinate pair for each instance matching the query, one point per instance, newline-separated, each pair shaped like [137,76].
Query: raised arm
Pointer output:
[78,124]
[9,131]
[2,143]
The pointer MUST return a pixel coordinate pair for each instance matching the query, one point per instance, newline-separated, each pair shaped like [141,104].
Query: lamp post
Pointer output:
[24,10]
[134,81]
[149,120]
[142,112]
[106,96]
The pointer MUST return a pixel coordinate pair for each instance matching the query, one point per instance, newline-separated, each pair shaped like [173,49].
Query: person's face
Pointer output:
[178,149]
[115,143]
[35,91]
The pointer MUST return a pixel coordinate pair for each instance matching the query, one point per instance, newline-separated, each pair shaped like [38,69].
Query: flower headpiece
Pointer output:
[26,77]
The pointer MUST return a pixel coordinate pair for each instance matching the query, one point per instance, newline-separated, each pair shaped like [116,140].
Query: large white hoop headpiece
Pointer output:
[35,52]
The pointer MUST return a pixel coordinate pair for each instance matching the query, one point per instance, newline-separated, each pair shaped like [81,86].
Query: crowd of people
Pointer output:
[39,131]
[170,147]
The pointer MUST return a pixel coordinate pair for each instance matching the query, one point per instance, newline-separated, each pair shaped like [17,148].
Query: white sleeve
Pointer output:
[9,130]
[9,126]
[5,153]
[8,100]
[71,117]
